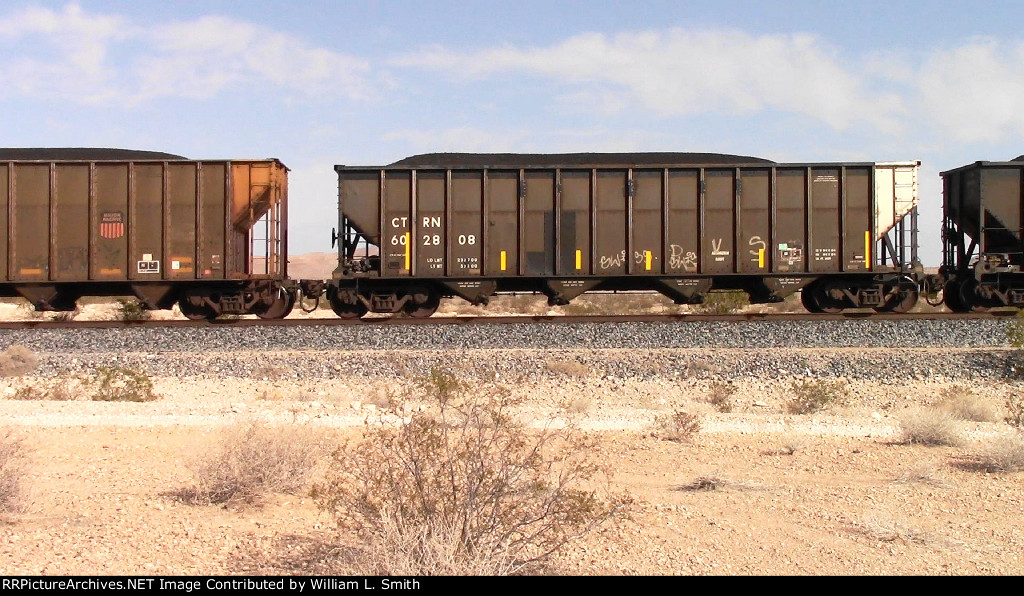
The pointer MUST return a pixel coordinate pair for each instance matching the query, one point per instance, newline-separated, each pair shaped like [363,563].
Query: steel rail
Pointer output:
[851,315]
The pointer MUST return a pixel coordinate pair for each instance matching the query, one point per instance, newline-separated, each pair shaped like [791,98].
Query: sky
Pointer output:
[320,83]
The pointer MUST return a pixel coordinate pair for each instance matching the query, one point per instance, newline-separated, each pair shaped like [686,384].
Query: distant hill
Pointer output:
[312,265]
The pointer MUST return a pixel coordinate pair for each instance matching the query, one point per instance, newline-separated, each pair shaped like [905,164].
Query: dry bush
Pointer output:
[793,442]
[723,303]
[680,427]
[12,471]
[1003,454]
[122,384]
[1015,411]
[129,309]
[921,473]
[814,395]
[961,402]
[462,488]
[253,459]
[49,390]
[720,396]
[930,426]
[17,360]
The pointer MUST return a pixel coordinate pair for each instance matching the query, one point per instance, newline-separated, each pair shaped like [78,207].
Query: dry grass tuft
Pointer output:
[886,529]
[1003,454]
[17,360]
[714,482]
[252,460]
[962,403]
[930,426]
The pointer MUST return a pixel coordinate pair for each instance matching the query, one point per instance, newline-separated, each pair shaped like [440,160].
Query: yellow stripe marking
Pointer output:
[760,258]
[579,260]
[648,257]
[504,261]
[867,249]
[408,251]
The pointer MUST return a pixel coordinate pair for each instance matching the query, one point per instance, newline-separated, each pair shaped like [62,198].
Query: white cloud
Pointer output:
[72,55]
[973,93]
[682,73]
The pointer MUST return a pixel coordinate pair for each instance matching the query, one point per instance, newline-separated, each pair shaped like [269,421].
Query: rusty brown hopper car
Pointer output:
[681,224]
[983,250]
[209,235]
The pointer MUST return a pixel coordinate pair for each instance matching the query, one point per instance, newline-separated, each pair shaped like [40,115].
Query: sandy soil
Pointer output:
[830,493]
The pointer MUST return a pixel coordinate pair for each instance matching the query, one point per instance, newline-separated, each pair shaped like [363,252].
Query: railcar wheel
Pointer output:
[807,298]
[281,307]
[905,299]
[195,313]
[421,306]
[821,295]
[971,300]
[951,296]
[345,309]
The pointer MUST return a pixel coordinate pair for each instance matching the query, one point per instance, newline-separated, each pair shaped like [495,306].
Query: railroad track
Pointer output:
[509,320]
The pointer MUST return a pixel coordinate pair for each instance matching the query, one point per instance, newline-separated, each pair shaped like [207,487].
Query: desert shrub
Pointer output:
[680,427]
[1003,454]
[1015,411]
[961,402]
[929,426]
[122,384]
[720,396]
[17,360]
[814,395]
[58,390]
[252,460]
[722,303]
[129,309]
[12,470]
[462,488]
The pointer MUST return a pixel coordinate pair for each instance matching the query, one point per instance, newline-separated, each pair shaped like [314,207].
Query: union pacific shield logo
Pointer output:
[111,224]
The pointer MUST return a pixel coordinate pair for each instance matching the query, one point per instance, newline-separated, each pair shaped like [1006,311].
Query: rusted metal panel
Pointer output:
[857,199]
[683,237]
[146,239]
[610,210]
[539,222]
[5,182]
[719,254]
[181,220]
[574,227]
[211,245]
[503,238]
[754,227]
[823,247]
[431,224]
[359,196]
[397,249]
[466,231]
[30,228]
[790,237]
[646,234]
[109,222]
[70,207]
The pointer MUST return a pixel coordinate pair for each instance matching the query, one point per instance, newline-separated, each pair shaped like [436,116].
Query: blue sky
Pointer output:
[367,83]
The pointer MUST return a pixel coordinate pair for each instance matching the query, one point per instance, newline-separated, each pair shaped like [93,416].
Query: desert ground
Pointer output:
[755,490]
